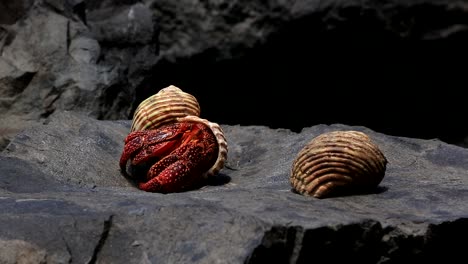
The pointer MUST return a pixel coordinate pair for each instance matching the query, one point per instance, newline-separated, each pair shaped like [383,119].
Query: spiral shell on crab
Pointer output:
[164,107]
[220,138]
[338,162]
[171,104]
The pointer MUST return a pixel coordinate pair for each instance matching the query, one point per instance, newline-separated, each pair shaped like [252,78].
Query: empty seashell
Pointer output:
[338,162]
[164,107]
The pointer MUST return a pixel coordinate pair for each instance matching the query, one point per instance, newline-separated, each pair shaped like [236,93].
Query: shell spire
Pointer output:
[171,104]
[164,107]
[338,162]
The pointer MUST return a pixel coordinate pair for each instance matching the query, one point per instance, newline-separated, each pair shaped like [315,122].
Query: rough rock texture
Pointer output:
[59,55]
[101,57]
[63,200]
[221,30]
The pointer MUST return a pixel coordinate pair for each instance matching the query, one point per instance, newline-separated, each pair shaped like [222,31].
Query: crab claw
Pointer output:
[179,153]
[141,146]
[179,171]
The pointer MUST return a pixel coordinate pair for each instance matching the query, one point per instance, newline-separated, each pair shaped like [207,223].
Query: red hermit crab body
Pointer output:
[170,148]
[180,154]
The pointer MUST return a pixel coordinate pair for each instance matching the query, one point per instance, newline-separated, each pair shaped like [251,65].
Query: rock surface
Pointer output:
[63,200]
[58,55]
[103,57]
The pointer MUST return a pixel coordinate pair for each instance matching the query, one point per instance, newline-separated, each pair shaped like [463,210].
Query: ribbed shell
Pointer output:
[222,143]
[338,162]
[164,107]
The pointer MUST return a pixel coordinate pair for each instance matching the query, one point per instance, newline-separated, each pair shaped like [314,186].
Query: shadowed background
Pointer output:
[394,67]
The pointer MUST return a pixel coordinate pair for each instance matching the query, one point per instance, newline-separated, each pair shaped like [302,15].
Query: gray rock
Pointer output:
[78,167]
[228,29]
[19,251]
[57,55]
[102,58]
[64,200]
[11,11]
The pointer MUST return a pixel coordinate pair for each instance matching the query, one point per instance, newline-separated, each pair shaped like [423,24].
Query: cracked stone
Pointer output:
[60,186]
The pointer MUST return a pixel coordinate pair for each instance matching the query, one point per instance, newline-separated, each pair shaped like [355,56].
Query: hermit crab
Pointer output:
[338,163]
[170,148]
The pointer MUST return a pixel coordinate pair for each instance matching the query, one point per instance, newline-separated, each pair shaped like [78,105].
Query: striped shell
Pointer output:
[171,104]
[222,143]
[336,163]
[164,107]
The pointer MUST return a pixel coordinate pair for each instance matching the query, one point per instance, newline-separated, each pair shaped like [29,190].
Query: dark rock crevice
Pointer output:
[443,243]
[104,235]
[392,67]
[365,242]
[17,85]
[12,11]
[277,246]
[80,10]
[391,88]
[68,249]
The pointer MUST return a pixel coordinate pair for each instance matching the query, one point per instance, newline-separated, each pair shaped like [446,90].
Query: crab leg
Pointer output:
[159,150]
[159,144]
[172,179]
[176,171]
[179,155]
